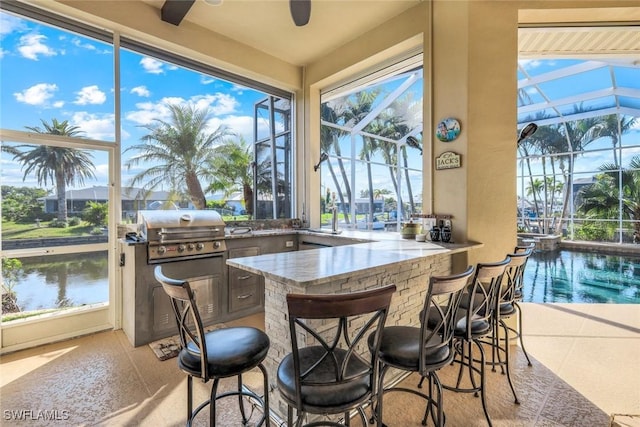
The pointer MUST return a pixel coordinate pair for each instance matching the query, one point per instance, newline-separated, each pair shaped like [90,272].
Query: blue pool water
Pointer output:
[582,277]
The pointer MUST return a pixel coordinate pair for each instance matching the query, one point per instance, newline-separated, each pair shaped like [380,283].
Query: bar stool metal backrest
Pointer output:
[507,298]
[330,370]
[518,295]
[476,323]
[221,353]
[427,348]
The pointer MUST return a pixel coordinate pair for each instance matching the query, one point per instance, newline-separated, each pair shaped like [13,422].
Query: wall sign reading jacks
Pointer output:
[448,160]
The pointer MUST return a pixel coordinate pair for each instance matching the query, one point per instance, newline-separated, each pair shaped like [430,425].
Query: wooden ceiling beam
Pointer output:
[174,11]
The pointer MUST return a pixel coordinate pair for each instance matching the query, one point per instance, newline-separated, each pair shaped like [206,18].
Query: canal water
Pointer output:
[59,281]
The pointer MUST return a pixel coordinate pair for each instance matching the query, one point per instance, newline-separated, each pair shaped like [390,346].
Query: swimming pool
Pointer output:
[582,277]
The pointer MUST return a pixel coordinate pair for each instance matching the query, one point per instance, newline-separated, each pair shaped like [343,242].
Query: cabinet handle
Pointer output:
[248,276]
[244,296]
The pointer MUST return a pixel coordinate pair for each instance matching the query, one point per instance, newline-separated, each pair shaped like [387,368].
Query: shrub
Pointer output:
[96,213]
[56,223]
[74,221]
[21,204]
[96,231]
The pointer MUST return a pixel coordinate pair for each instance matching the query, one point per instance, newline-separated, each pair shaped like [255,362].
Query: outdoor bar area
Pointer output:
[307,212]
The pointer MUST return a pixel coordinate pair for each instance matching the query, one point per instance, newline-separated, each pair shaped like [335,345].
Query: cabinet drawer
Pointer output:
[245,294]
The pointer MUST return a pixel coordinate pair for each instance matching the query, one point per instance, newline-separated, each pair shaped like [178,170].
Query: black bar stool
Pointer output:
[330,370]
[475,324]
[228,352]
[425,349]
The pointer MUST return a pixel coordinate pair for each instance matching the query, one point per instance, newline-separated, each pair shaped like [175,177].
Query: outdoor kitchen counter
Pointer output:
[379,259]
[371,252]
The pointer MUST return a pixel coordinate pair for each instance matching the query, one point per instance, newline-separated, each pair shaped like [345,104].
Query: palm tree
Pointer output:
[332,112]
[603,199]
[548,140]
[180,152]
[571,137]
[579,134]
[357,109]
[402,118]
[614,127]
[534,189]
[232,165]
[63,166]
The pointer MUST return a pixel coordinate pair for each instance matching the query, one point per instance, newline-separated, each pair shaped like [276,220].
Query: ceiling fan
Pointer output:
[173,11]
[300,11]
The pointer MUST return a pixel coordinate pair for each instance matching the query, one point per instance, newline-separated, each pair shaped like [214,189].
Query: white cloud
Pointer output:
[207,80]
[82,44]
[10,24]
[37,95]
[219,104]
[151,65]
[101,172]
[95,126]
[32,45]
[141,91]
[242,126]
[238,89]
[90,95]
[148,111]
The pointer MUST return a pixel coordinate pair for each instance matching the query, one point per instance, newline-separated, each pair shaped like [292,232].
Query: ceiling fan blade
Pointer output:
[300,11]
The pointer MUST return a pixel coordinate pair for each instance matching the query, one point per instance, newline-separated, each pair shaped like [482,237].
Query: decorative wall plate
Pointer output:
[448,130]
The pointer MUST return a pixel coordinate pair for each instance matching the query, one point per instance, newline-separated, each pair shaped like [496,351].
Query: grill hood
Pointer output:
[178,225]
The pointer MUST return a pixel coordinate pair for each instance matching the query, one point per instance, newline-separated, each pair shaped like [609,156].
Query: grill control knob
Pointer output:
[199,246]
[216,245]
[162,250]
[191,247]
[181,248]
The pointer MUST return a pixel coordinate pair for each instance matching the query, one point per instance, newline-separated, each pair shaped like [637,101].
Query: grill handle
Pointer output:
[207,232]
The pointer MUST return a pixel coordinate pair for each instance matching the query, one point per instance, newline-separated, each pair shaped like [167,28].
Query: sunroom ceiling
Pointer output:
[572,73]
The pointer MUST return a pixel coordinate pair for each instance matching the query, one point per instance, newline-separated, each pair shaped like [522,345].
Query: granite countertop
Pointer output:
[315,266]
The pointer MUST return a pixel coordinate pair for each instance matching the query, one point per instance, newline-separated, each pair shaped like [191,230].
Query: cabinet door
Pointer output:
[245,289]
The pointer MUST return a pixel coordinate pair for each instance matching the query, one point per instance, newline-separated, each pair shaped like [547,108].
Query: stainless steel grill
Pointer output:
[181,235]
[191,246]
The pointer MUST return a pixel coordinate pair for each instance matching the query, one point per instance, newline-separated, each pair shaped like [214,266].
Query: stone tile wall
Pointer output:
[411,279]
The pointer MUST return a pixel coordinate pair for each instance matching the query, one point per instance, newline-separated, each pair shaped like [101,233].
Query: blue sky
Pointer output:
[48,73]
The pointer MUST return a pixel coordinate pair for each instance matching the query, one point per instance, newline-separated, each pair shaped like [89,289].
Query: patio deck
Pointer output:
[584,373]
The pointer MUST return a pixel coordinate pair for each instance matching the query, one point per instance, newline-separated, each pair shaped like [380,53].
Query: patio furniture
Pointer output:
[519,293]
[335,373]
[506,308]
[473,325]
[221,353]
[425,349]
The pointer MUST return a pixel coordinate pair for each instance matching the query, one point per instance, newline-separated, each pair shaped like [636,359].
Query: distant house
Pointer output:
[133,200]
[578,183]
[234,202]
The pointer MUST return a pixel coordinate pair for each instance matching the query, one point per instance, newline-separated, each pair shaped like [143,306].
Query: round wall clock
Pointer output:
[448,130]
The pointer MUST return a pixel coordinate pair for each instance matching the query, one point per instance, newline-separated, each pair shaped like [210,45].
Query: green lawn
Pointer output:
[12,230]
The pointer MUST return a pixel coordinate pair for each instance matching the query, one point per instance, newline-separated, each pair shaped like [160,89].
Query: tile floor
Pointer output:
[586,372]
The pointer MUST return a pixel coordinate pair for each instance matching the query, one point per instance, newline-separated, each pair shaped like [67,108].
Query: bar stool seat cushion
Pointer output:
[507,309]
[322,388]
[479,327]
[400,348]
[230,351]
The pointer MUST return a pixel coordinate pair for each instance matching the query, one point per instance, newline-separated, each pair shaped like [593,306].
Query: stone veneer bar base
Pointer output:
[410,277]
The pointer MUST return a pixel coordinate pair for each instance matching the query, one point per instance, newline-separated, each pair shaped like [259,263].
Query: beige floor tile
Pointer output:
[576,378]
